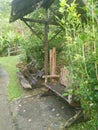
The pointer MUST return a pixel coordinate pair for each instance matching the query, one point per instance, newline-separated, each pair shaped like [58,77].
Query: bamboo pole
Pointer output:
[95,50]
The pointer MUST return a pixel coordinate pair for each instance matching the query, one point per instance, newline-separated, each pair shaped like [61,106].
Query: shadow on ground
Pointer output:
[34,112]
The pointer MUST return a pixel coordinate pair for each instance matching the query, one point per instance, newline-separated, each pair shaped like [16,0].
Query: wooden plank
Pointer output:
[57,89]
[66,78]
[50,76]
[52,63]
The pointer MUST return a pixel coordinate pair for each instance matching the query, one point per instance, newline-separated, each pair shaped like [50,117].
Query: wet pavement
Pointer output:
[40,113]
[31,112]
[5,115]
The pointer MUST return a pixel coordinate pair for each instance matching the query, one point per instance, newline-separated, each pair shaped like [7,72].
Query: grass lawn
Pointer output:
[9,63]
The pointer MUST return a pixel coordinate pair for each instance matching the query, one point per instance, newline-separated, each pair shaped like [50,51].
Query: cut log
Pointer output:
[32,80]
[25,84]
[29,74]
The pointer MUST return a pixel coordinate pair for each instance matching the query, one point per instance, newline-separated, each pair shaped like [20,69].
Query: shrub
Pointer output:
[81,53]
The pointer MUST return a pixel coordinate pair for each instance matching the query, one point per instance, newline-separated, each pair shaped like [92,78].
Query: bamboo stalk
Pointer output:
[83,52]
[93,29]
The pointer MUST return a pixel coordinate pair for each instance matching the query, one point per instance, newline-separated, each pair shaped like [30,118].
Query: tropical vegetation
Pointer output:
[77,49]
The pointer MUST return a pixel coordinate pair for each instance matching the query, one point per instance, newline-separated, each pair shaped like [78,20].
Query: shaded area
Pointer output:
[32,112]
[40,113]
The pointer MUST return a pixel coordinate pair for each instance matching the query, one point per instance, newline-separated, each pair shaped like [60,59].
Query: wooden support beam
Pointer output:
[55,35]
[50,76]
[34,20]
[41,21]
[46,43]
[54,13]
[31,29]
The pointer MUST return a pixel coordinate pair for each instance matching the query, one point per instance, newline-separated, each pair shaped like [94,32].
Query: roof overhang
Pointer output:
[20,8]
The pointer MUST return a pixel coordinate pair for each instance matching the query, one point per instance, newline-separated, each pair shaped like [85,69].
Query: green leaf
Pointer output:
[65,94]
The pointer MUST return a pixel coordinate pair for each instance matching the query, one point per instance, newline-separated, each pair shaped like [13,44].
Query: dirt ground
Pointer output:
[34,112]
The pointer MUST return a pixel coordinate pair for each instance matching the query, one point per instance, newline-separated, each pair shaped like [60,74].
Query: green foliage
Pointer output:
[32,49]
[10,39]
[3,46]
[81,53]
[9,63]
[9,35]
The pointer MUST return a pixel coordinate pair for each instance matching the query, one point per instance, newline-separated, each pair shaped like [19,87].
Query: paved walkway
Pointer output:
[31,112]
[5,115]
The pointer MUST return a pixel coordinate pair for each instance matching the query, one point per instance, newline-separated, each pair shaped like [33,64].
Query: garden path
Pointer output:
[5,115]
[31,112]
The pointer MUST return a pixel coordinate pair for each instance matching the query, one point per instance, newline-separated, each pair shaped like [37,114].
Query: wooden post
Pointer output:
[53,74]
[46,44]
[8,51]
[52,63]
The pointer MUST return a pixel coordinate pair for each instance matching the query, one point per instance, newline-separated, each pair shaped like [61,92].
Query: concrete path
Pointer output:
[40,113]
[31,112]
[5,115]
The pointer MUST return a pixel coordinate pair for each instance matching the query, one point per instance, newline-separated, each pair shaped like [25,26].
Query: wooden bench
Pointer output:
[65,83]
[59,88]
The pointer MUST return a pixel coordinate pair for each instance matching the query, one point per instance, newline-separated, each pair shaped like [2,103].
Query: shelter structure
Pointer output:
[21,8]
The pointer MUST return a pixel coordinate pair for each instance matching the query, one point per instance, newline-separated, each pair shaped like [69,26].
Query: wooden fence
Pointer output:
[14,50]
